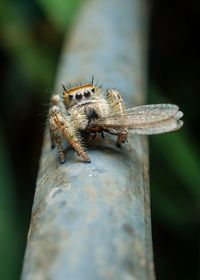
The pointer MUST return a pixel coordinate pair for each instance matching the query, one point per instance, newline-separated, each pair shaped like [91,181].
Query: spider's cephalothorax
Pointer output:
[80,106]
[86,109]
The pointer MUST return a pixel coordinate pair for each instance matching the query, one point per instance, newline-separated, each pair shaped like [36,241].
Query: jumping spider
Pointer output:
[87,109]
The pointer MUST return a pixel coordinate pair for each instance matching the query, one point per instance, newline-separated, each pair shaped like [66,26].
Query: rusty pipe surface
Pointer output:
[92,221]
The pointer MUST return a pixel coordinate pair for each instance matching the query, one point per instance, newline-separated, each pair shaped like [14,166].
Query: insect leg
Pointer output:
[117,106]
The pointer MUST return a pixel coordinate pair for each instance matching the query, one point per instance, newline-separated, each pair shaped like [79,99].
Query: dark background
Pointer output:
[31,35]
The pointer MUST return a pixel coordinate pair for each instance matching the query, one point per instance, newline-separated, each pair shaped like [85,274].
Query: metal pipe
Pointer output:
[92,221]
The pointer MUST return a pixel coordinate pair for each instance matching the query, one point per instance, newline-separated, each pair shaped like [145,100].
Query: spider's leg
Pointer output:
[57,140]
[52,139]
[117,106]
[55,134]
[61,123]
[73,140]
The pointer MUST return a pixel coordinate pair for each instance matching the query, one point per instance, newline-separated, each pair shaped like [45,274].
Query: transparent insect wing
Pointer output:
[153,112]
[147,119]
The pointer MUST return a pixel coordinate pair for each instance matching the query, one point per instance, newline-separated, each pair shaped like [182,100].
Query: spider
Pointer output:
[87,109]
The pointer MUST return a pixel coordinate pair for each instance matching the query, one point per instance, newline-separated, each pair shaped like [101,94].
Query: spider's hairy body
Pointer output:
[86,109]
[69,116]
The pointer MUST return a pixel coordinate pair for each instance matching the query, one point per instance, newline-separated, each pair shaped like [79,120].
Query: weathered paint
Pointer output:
[92,221]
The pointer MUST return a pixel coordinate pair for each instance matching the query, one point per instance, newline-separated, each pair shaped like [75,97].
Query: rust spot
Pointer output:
[128,228]
[110,196]
[91,192]
[92,216]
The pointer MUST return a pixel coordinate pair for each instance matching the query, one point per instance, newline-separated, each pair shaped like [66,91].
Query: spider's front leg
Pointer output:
[117,106]
[60,123]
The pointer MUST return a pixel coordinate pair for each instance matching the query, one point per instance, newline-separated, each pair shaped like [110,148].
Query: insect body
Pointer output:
[86,109]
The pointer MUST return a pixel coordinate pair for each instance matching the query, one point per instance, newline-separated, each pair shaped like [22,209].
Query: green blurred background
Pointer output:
[31,36]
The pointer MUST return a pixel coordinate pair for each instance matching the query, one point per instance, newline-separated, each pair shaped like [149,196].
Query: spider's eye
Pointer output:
[93,90]
[87,93]
[70,96]
[79,96]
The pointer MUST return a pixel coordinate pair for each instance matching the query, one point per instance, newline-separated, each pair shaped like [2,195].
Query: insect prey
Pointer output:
[87,109]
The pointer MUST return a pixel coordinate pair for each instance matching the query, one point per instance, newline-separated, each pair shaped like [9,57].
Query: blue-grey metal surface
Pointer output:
[92,221]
